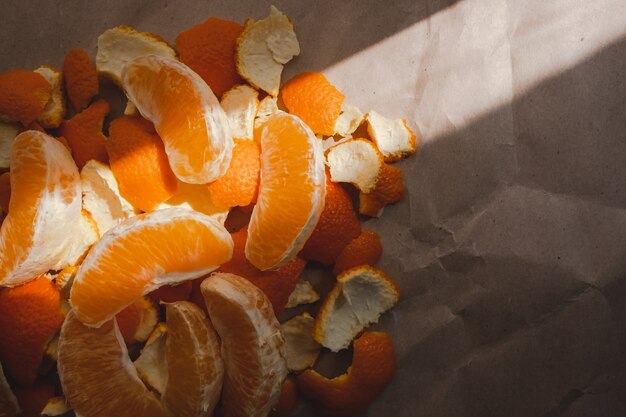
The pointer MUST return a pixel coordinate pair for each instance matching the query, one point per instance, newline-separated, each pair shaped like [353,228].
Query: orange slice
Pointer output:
[195,369]
[185,113]
[315,100]
[348,395]
[291,192]
[30,315]
[143,253]
[8,402]
[254,349]
[97,376]
[44,210]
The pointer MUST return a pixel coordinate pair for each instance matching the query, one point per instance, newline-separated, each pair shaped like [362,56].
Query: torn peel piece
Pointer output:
[240,104]
[348,395]
[151,364]
[349,120]
[8,133]
[55,109]
[303,293]
[302,350]
[356,161]
[122,44]
[137,321]
[359,297]
[81,78]
[393,138]
[263,48]
[57,406]
[365,249]
[23,96]
[389,189]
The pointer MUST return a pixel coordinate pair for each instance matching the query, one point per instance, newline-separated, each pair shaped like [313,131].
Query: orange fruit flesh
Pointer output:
[291,192]
[145,252]
[186,115]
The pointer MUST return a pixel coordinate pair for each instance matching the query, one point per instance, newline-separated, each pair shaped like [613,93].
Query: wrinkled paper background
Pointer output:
[510,246]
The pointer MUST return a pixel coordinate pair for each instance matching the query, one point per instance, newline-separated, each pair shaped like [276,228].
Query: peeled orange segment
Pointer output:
[8,402]
[301,349]
[358,299]
[8,132]
[393,137]
[101,196]
[356,161]
[195,369]
[185,113]
[291,192]
[263,48]
[143,253]
[44,211]
[253,346]
[55,109]
[120,45]
[96,373]
[348,395]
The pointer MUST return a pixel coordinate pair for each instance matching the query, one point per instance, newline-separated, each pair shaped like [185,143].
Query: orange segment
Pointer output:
[291,192]
[239,186]
[185,113]
[366,249]
[315,100]
[30,315]
[348,395]
[254,349]
[45,206]
[209,49]
[195,369]
[144,253]
[389,189]
[97,376]
[81,78]
[139,163]
[23,95]
[277,285]
[83,133]
[337,226]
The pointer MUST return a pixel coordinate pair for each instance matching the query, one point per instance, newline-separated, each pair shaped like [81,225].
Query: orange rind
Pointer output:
[389,189]
[143,253]
[120,45]
[359,297]
[253,346]
[311,97]
[5,192]
[303,293]
[393,138]
[137,321]
[81,78]
[348,395]
[55,109]
[240,104]
[300,347]
[23,96]
[56,406]
[349,120]
[356,161]
[8,133]
[151,364]
[8,402]
[366,249]
[263,48]
[287,400]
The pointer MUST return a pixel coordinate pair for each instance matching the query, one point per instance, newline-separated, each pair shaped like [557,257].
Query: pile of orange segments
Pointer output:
[151,261]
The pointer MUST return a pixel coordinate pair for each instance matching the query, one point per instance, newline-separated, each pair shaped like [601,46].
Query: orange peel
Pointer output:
[137,321]
[348,395]
[240,104]
[8,402]
[23,96]
[359,297]
[349,120]
[394,138]
[389,189]
[303,293]
[300,347]
[356,161]
[365,249]
[55,109]
[8,133]
[81,78]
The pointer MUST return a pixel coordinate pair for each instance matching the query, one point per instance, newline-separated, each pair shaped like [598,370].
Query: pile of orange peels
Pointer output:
[148,260]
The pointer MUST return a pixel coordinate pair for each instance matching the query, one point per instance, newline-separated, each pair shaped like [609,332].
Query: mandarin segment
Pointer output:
[311,97]
[389,189]
[23,96]
[139,163]
[30,315]
[359,297]
[97,376]
[83,133]
[143,253]
[348,395]
[195,197]
[366,249]
[276,284]
[254,351]
[209,49]
[240,184]
[81,78]
[291,192]
[337,226]
[44,211]
[186,115]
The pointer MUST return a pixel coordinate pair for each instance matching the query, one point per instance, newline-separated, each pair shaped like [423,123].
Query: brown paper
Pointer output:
[510,246]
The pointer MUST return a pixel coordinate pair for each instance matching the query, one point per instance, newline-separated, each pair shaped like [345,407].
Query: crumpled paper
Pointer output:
[510,246]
